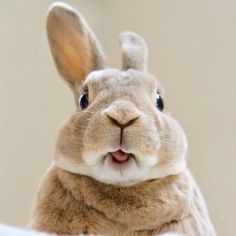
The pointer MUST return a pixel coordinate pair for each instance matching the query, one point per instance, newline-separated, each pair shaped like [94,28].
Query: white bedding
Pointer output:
[6,230]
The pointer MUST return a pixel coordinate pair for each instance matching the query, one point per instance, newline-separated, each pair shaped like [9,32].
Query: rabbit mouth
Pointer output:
[120,159]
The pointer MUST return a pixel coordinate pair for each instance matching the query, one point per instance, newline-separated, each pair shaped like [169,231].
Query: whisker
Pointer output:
[98,164]
[89,112]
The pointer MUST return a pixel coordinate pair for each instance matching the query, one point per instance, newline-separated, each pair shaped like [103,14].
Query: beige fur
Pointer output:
[82,192]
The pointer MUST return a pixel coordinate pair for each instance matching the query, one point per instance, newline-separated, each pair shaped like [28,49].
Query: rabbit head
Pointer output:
[119,133]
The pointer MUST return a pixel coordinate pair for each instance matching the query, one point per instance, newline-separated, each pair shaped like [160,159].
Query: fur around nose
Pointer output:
[122,113]
[121,125]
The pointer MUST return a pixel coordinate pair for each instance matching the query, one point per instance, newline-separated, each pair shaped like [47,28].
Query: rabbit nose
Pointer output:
[122,113]
[122,125]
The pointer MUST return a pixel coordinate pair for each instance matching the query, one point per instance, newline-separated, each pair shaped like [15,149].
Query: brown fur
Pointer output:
[71,204]
[82,192]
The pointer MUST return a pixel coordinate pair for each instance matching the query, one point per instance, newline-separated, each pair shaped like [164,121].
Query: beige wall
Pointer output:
[193,53]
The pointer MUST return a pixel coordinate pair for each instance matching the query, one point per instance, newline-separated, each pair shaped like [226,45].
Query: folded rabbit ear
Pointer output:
[74,47]
[134,51]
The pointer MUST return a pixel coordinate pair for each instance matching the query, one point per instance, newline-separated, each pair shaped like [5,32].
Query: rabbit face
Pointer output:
[121,117]
[118,135]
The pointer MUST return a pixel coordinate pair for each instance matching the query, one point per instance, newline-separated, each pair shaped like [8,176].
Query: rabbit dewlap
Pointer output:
[119,163]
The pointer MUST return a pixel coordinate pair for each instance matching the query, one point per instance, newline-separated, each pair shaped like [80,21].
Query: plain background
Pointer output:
[192,52]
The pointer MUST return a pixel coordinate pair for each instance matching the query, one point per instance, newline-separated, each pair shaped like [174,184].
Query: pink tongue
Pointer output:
[120,156]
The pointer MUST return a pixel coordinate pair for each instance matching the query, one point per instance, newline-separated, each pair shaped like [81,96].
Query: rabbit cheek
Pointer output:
[172,150]
[69,146]
[98,135]
[143,138]
[174,143]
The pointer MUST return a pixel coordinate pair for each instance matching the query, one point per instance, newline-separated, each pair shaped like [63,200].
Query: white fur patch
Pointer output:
[146,168]
[63,163]
[101,170]
[95,166]
[171,169]
[104,172]
[6,230]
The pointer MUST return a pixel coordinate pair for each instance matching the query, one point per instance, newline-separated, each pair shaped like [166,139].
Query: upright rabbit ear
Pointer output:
[74,47]
[134,51]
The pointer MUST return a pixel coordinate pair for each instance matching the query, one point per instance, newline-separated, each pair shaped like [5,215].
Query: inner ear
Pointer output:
[75,49]
[134,51]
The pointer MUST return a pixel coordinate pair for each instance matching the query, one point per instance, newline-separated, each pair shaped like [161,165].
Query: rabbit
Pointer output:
[119,165]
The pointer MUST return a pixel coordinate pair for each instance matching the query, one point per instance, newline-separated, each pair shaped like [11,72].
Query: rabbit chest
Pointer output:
[79,204]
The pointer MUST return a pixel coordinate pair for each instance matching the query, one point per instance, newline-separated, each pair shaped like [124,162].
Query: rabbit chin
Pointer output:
[98,166]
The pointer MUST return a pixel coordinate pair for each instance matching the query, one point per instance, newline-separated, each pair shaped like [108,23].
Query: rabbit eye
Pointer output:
[159,102]
[83,101]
